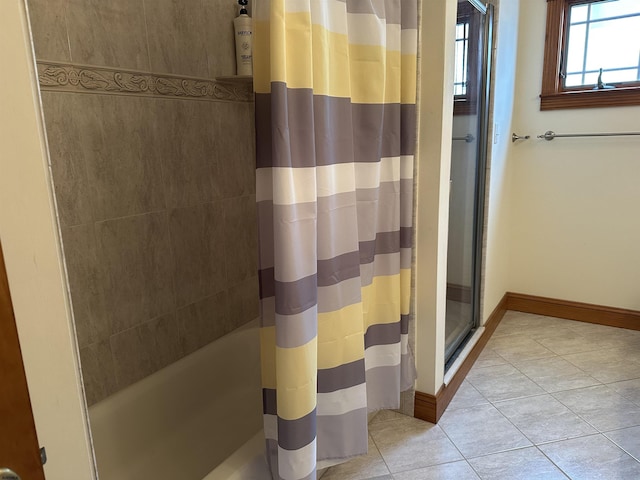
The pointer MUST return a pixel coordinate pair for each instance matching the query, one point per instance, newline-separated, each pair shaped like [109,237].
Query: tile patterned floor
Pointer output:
[547,399]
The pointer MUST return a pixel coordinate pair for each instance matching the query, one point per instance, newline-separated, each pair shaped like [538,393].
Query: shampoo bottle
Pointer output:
[244,35]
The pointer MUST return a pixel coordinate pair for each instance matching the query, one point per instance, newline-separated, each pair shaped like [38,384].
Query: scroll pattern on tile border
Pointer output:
[99,80]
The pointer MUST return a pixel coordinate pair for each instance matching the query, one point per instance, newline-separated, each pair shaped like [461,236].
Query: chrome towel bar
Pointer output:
[467,138]
[550,135]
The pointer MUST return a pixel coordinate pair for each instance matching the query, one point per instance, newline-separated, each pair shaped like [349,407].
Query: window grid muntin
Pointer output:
[460,82]
[584,72]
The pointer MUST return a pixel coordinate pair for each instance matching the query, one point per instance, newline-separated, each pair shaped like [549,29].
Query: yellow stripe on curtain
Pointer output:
[331,66]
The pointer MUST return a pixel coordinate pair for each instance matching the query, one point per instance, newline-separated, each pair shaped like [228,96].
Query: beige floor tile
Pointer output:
[387,415]
[488,358]
[628,439]
[629,389]
[481,430]
[522,464]
[544,419]
[455,470]
[592,457]
[360,468]
[602,407]
[467,396]
[409,443]
[567,341]
[556,374]
[607,366]
[502,382]
[519,348]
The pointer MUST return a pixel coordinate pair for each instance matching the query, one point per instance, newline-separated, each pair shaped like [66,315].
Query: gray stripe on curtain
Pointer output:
[382,334]
[385,242]
[406,237]
[339,436]
[336,228]
[337,232]
[295,330]
[405,258]
[295,297]
[376,7]
[338,296]
[383,264]
[409,10]
[404,324]
[383,385]
[373,129]
[408,130]
[338,269]
[295,434]
[342,376]
[406,198]
[329,298]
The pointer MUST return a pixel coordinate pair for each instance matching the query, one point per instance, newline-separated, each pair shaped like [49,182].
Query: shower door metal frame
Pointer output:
[481,170]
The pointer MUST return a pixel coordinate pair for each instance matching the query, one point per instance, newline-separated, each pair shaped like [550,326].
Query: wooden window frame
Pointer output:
[467,104]
[554,95]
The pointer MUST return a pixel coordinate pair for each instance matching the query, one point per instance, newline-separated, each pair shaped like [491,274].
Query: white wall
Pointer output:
[575,203]
[28,230]
[432,214]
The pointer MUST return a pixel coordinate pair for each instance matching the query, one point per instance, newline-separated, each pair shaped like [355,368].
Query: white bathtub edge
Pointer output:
[246,463]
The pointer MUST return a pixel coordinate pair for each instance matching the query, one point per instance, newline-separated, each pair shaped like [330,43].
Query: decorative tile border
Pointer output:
[79,78]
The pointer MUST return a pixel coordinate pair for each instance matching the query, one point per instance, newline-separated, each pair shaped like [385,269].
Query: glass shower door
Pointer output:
[468,164]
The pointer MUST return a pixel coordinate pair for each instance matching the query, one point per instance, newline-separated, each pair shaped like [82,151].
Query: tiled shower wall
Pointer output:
[156,196]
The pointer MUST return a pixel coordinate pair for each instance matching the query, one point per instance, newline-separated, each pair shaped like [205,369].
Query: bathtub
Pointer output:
[198,418]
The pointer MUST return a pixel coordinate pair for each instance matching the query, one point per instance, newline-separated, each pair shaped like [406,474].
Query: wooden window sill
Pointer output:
[617,97]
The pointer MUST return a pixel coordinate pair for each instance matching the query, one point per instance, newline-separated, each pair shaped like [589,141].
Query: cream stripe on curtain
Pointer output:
[335,85]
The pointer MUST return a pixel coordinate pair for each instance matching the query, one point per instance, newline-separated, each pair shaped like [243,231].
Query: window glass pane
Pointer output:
[578,13]
[601,41]
[614,8]
[575,53]
[573,80]
[591,78]
[614,43]
[618,76]
[461,59]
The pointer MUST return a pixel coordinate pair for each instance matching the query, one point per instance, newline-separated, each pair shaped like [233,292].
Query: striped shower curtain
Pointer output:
[335,86]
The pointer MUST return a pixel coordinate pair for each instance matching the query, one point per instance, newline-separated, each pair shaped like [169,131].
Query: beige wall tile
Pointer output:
[168,347]
[142,350]
[86,284]
[126,177]
[49,29]
[136,259]
[98,373]
[102,156]
[243,302]
[109,33]
[133,355]
[241,238]
[221,48]
[202,322]
[235,145]
[177,36]
[72,132]
[197,239]
[183,144]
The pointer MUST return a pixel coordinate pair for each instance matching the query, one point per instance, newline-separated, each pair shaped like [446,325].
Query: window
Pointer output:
[465,86]
[592,54]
